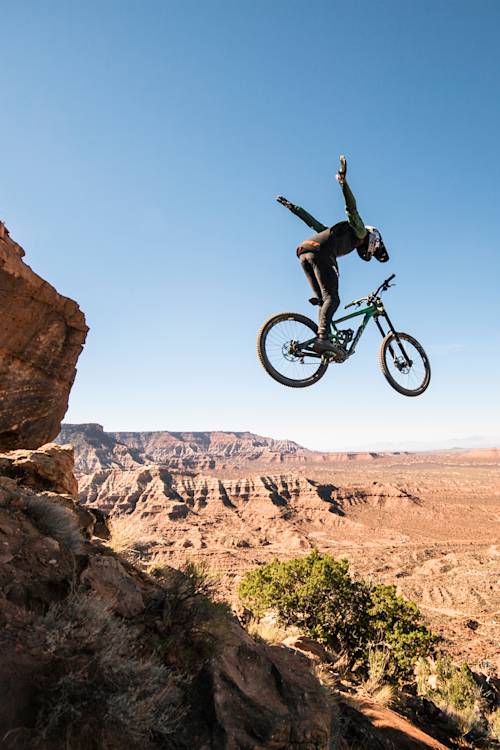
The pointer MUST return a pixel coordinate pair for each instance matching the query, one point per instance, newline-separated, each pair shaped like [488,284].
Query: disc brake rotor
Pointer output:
[402,365]
[290,351]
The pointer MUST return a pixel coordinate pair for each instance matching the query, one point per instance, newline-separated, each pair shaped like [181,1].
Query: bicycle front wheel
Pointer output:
[283,348]
[405,364]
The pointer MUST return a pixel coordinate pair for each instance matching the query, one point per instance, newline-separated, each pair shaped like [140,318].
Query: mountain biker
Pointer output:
[318,255]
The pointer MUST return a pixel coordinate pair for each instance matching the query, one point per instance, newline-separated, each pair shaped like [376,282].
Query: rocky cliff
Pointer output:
[97,449]
[95,654]
[41,336]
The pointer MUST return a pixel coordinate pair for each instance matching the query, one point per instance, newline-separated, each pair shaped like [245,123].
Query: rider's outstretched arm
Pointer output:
[351,210]
[306,217]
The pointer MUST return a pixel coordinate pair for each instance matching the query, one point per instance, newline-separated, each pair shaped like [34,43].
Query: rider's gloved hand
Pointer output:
[283,201]
[340,176]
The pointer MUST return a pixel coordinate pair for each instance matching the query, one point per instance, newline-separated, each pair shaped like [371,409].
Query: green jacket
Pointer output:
[351,210]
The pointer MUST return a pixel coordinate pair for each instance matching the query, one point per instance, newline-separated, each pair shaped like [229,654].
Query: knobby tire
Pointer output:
[391,340]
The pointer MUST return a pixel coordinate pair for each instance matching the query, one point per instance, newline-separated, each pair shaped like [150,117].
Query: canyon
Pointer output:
[427,522]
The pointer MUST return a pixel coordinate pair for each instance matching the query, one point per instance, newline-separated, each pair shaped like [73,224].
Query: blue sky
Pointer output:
[143,144]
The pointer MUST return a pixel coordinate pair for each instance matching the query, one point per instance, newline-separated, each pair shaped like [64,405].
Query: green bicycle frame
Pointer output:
[375,310]
[368,312]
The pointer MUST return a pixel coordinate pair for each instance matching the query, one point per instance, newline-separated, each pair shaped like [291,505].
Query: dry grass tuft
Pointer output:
[268,631]
[494,724]
[464,719]
[56,521]
[101,676]
[130,535]
[385,695]
[328,677]
[378,669]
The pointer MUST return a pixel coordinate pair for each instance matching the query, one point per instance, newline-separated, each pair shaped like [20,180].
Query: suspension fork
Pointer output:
[393,330]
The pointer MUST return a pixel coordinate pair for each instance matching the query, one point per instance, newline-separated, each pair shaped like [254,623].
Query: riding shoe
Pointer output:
[322,345]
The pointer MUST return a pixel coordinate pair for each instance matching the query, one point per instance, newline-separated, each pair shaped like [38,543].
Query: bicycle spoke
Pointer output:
[278,342]
[411,377]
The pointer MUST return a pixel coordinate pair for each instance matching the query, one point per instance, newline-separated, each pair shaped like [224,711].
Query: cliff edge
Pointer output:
[42,335]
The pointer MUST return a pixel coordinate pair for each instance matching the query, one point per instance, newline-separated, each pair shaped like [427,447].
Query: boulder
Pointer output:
[41,336]
[267,697]
[309,647]
[49,468]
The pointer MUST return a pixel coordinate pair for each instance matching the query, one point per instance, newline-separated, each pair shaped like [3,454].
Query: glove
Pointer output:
[340,176]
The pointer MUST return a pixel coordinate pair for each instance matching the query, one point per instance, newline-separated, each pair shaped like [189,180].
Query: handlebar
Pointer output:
[356,302]
[384,286]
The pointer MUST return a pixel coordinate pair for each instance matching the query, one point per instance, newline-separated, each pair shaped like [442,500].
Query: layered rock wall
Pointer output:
[41,336]
[97,449]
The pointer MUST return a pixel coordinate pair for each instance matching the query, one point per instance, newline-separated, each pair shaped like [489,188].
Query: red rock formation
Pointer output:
[155,491]
[96,449]
[50,467]
[247,695]
[41,336]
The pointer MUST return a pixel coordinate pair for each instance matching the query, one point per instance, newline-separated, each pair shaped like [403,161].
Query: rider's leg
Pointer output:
[328,282]
[306,261]
[323,278]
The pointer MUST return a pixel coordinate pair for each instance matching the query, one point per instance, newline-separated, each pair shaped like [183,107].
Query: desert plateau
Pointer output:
[427,522]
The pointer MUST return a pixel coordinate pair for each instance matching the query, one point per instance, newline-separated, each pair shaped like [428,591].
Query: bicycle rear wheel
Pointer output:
[404,364]
[283,351]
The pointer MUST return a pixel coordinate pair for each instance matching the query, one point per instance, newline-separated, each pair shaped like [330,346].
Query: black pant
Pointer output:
[324,280]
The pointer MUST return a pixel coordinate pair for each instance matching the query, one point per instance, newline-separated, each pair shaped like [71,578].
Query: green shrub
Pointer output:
[455,685]
[453,688]
[395,621]
[318,595]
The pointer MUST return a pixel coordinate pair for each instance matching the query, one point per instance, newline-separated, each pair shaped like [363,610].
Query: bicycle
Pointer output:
[285,342]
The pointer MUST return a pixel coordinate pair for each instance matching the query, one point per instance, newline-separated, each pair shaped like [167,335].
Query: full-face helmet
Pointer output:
[376,248]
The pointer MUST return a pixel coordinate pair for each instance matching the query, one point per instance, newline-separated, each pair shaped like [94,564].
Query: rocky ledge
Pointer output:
[41,336]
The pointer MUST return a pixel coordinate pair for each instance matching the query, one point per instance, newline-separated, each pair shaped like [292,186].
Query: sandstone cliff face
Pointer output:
[41,336]
[97,449]
[188,451]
